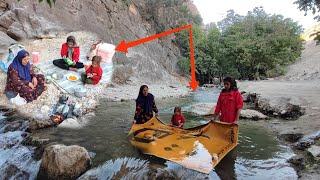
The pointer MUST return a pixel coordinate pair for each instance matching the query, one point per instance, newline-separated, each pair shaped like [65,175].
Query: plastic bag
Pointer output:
[13,51]
[3,66]
[19,101]
[68,61]
[106,51]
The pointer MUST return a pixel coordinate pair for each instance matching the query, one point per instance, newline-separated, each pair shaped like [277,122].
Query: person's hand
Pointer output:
[215,117]
[90,75]
[134,121]
[34,81]
[31,85]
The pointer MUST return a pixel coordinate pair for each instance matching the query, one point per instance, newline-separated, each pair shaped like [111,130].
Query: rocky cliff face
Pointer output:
[113,21]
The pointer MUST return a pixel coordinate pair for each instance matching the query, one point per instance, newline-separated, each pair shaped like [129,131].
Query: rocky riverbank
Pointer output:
[294,106]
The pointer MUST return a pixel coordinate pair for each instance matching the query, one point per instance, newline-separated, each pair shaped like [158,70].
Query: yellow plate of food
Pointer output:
[72,77]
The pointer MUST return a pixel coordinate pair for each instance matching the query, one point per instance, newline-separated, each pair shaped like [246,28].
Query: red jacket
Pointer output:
[176,118]
[228,105]
[75,54]
[98,71]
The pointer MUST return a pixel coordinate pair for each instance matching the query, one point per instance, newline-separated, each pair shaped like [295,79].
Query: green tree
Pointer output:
[309,5]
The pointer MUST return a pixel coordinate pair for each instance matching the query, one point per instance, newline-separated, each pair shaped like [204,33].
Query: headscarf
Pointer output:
[23,71]
[146,102]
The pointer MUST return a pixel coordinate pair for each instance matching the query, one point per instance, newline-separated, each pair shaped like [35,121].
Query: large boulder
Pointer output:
[286,108]
[64,162]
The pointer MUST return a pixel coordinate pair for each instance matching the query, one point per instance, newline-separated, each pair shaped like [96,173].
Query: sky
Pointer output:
[215,10]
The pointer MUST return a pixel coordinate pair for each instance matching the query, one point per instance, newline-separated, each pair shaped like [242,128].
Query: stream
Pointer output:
[258,155]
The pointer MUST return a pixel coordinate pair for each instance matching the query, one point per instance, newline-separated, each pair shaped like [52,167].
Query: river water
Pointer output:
[258,155]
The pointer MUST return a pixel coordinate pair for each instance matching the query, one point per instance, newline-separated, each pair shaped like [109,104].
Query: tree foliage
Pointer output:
[247,47]
[309,5]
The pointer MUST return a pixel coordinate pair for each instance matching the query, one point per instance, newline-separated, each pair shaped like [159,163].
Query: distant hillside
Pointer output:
[308,66]
[309,34]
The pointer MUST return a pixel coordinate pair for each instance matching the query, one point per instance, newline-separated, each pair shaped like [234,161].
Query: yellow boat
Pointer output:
[200,148]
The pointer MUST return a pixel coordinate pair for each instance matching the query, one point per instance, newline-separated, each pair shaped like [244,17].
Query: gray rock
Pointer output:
[252,114]
[315,151]
[286,108]
[64,162]
[36,124]
[307,141]
[202,109]
[298,161]
[291,137]
[5,42]
[18,125]
[13,172]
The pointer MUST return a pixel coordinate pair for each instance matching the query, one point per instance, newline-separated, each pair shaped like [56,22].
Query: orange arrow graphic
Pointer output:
[123,46]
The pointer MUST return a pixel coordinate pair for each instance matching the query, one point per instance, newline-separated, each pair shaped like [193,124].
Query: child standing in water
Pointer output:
[177,118]
[229,103]
[93,73]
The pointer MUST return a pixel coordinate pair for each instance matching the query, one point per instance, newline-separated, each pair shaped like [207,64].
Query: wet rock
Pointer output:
[307,141]
[13,172]
[70,123]
[249,97]
[18,125]
[291,137]
[298,161]
[252,114]
[64,162]
[286,108]
[113,169]
[10,139]
[315,151]
[202,109]
[36,124]
[34,141]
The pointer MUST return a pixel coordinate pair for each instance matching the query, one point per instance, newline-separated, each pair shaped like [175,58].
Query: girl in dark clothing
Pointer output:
[145,106]
[70,53]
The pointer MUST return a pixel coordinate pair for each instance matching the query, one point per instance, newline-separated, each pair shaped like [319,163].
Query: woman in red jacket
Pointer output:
[229,103]
[93,73]
[70,53]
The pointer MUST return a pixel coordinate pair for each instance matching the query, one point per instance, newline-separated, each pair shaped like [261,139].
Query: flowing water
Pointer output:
[258,155]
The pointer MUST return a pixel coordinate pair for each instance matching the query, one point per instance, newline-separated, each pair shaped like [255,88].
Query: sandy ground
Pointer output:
[50,49]
[308,66]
